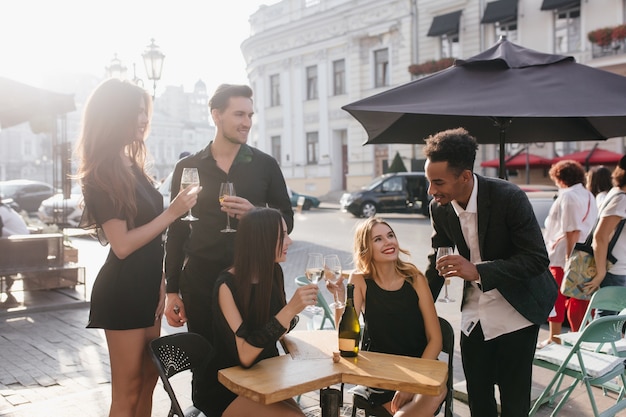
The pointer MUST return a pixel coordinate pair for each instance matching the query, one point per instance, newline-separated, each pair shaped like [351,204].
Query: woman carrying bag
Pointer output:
[612,213]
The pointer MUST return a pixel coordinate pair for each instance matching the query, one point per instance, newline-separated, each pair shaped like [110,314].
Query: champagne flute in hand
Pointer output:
[227,189]
[313,272]
[441,252]
[332,273]
[189,178]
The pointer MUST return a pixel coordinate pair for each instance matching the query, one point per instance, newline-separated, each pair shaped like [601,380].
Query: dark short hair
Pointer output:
[224,92]
[599,179]
[569,172]
[454,146]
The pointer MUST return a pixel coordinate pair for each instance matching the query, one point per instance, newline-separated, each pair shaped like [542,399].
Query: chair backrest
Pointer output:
[611,298]
[301,281]
[176,353]
[602,330]
[447,332]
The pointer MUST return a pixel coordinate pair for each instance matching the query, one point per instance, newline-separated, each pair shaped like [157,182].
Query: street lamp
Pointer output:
[153,60]
[116,69]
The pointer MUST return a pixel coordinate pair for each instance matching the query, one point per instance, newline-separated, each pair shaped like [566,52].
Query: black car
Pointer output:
[27,194]
[400,192]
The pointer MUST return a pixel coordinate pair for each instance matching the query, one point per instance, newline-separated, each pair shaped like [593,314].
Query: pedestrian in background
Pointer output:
[611,214]
[121,201]
[251,312]
[569,221]
[196,252]
[599,182]
[508,291]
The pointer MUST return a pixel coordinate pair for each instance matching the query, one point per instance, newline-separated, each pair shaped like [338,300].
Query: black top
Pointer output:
[257,178]
[394,321]
[126,291]
[217,396]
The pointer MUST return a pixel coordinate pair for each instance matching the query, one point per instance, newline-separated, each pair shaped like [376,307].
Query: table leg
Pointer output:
[331,400]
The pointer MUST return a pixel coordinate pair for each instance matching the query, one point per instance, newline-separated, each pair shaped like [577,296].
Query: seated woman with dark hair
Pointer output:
[251,312]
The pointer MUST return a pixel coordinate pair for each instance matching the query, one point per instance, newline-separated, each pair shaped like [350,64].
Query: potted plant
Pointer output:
[431,66]
[618,33]
[601,37]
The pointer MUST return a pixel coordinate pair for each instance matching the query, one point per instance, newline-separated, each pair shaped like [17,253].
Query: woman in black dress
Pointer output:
[251,312]
[127,298]
[398,310]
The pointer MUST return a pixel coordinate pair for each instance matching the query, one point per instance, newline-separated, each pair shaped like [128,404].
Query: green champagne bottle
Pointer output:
[349,327]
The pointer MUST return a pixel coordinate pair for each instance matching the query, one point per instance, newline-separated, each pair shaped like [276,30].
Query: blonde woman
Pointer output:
[398,310]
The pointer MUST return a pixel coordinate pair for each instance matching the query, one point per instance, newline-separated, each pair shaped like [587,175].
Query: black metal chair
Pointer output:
[447,332]
[176,353]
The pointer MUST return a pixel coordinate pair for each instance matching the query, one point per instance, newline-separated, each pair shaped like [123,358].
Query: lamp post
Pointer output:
[115,69]
[153,60]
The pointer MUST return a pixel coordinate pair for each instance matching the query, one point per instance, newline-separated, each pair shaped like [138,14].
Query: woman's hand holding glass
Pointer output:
[332,274]
[304,297]
[185,200]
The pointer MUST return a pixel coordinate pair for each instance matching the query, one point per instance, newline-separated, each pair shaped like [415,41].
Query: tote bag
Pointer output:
[581,265]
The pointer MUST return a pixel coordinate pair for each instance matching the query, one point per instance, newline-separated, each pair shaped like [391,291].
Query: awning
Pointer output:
[500,11]
[558,4]
[445,24]
[593,156]
[519,161]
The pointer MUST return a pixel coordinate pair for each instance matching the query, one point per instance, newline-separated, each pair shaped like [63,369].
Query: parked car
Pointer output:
[309,201]
[541,198]
[27,194]
[400,192]
[62,211]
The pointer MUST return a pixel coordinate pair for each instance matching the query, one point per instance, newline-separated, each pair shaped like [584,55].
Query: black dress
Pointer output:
[393,324]
[126,291]
[217,397]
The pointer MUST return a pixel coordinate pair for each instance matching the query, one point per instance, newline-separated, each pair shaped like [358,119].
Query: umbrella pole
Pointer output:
[502,169]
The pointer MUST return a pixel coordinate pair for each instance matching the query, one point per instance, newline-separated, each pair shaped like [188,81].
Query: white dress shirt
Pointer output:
[490,308]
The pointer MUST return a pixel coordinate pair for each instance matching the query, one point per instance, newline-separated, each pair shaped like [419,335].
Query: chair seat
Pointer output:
[596,364]
[572,337]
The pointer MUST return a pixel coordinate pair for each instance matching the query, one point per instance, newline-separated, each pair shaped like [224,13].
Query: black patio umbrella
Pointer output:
[21,103]
[505,94]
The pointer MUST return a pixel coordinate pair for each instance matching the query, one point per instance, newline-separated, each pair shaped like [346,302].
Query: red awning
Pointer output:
[519,161]
[594,156]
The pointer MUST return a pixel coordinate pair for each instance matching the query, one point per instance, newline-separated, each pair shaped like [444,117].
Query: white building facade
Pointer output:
[308,58]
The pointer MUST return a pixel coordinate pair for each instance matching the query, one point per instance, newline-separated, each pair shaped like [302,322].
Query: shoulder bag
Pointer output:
[581,265]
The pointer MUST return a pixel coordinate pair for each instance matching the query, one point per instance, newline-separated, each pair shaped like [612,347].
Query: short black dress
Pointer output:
[394,324]
[125,294]
[217,397]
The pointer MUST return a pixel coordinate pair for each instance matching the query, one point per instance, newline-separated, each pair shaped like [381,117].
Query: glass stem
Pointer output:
[227,221]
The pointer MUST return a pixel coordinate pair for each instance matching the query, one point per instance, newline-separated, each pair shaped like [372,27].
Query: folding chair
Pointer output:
[359,400]
[176,353]
[321,302]
[592,368]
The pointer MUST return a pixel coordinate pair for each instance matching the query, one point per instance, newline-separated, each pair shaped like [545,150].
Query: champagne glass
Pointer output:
[227,189]
[314,267]
[443,251]
[332,273]
[189,178]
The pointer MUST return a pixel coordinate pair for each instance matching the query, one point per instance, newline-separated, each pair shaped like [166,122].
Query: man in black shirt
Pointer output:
[196,252]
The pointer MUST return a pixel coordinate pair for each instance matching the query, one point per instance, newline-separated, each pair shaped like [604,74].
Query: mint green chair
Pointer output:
[590,368]
[321,302]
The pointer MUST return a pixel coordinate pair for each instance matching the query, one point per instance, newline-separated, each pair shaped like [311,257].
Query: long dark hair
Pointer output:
[258,233]
[109,129]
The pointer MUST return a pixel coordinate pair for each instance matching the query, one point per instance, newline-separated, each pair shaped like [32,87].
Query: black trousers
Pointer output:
[506,361]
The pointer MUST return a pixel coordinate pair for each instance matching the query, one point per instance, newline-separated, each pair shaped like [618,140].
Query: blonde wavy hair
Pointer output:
[364,258]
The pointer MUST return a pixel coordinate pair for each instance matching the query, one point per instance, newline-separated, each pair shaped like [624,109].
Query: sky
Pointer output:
[200,38]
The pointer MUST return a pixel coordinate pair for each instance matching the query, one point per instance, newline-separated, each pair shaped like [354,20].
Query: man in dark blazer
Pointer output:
[508,291]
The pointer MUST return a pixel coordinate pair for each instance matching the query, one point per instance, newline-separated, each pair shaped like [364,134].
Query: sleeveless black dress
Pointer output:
[126,291]
[393,324]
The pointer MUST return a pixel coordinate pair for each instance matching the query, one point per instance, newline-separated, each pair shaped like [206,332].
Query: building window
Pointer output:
[450,45]
[567,30]
[446,28]
[312,148]
[381,68]
[311,82]
[339,77]
[274,90]
[276,148]
[508,29]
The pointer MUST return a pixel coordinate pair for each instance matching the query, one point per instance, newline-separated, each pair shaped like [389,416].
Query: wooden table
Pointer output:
[309,366]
